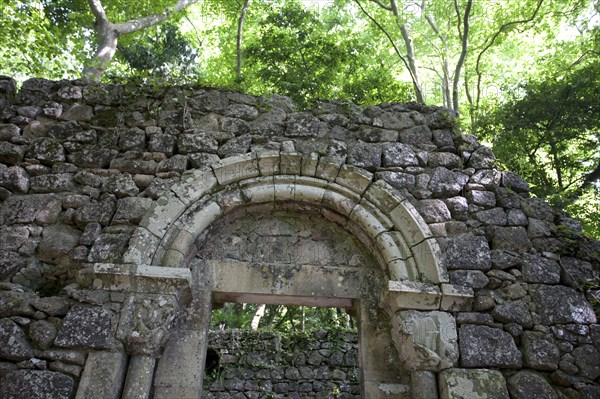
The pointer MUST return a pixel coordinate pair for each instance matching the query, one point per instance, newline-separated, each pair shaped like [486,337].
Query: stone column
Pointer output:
[145,325]
[180,370]
[139,377]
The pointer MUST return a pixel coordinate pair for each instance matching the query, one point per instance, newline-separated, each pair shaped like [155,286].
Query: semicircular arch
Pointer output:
[373,211]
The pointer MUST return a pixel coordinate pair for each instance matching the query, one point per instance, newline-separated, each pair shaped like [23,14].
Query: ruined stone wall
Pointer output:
[82,165]
[319,364]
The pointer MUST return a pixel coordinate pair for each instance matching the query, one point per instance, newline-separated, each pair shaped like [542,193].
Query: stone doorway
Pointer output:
[292,258]
[385,261]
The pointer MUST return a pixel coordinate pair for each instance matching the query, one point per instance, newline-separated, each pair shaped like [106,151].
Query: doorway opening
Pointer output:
[274,350]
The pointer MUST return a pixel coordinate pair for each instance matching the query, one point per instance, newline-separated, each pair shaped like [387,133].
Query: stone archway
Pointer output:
[416,292]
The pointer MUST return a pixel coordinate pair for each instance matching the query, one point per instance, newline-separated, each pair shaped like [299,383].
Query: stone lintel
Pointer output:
[142,278]
[253,278]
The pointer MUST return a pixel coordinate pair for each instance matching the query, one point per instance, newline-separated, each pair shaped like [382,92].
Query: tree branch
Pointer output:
[463,55]
[491,43]
[150,20]
[239,39]
[380,4]
[108,34]
[416,85]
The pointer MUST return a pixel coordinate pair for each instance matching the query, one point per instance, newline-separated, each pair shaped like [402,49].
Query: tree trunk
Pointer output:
[260,312]
[463,56]
[410,55]
[108,34]
[239,39]
[107,47]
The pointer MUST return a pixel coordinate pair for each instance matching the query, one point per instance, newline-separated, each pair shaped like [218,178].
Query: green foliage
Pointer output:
[32,45]
[308,55]
[549,131]
[166,53]
[280,318]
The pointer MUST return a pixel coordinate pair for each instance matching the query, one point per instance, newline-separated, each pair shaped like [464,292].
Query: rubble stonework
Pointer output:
[319,364]
[127,211]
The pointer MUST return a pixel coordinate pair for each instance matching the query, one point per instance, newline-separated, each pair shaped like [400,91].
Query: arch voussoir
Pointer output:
[372,210]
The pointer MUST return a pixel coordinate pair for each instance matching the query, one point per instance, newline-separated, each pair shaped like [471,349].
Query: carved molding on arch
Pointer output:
[376,213]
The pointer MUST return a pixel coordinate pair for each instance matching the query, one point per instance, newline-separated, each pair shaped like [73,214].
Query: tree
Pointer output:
[108,33]
[549,132]
[165,54]
[436,39]
[31,44]
[307,55]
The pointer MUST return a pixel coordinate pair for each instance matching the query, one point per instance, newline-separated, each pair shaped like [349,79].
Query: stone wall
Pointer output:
[320,364]
[88,172]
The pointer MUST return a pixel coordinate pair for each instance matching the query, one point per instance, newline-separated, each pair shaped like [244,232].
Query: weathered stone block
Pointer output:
[134,166]
[38,384]
[514,182]
[433,211]
[513,312]
[539,351]
[93,157]
[587,359]
[398,180]
[560,305]
[108,248]
[468,253]
[511,238]
[398,154]
[416,135]
[530,385]
[425,340]
[121,185]
[47,150]
[131,209]
[472,384]
[86,327]
[103,376]
[445,159]
[537,269]
[78,112]
[14,344]
[53,183]
[482,346]
[52,305]
[235,146]
[196,141]
[575,272]
[365,155]
[42,333]
[164,143]
[302,124]
[469,278]
[57,243]
[11,154]
[446,183]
